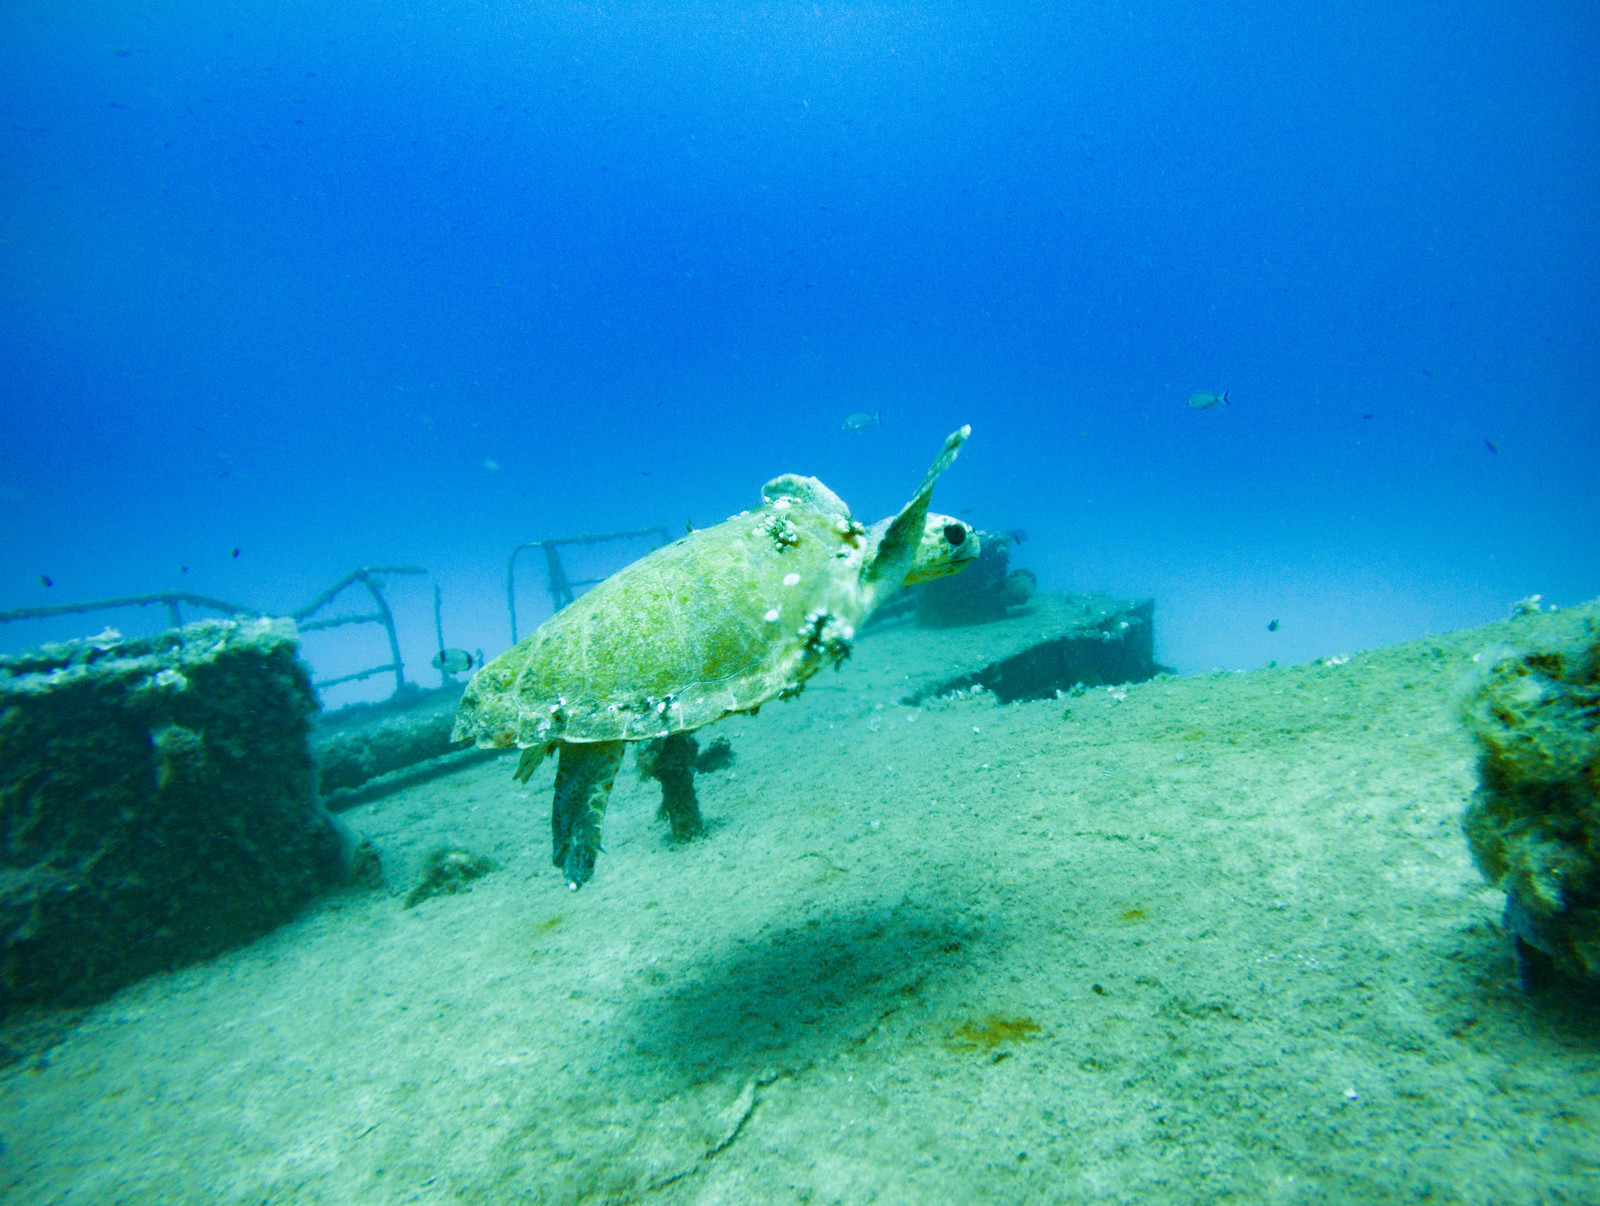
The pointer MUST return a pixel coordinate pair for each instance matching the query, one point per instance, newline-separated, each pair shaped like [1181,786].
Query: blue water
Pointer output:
[363,283]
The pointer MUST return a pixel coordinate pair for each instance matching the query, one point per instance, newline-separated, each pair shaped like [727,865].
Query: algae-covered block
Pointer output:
[157,804]
[1534,823]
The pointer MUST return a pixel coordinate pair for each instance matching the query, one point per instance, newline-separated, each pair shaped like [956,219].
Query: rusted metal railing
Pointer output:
[369,576]
[557,582]
[171,598]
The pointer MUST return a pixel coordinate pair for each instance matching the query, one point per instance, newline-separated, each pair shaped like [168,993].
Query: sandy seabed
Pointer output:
[1210,939]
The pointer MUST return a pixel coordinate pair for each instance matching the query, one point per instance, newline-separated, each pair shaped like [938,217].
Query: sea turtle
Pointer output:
[714,624]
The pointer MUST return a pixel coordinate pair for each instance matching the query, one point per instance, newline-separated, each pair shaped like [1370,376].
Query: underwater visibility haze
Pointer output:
[358,284]
[1267,336]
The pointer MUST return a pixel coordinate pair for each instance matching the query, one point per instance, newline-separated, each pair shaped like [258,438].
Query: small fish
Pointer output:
[1205,401]
[1372,414]
[1272,626]
[235,552]
[1490,445]
[183,569]
[1017,535]
[452,661]
[46,580]
[861,420]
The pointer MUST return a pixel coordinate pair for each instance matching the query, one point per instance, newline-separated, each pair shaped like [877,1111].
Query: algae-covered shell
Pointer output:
[716,623]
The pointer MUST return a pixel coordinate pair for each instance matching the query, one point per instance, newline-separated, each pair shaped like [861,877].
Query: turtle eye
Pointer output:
[954,533]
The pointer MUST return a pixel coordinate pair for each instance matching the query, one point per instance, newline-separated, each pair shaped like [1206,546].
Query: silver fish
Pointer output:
[861,420]
[452,661]
[1206,401]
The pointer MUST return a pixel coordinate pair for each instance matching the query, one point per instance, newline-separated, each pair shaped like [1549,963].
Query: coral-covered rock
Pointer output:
[1534,822]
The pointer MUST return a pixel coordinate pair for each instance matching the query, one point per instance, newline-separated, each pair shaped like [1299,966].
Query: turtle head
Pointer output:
[915,546]
[947,546]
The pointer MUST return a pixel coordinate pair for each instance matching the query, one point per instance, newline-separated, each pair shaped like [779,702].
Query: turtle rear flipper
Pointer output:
[584,777]
[670,761]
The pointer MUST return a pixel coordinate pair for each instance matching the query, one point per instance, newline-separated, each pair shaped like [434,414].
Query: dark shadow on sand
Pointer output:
[784,999]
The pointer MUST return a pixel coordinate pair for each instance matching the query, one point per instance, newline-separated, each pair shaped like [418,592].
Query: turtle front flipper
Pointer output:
[584,777]
[896,542]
